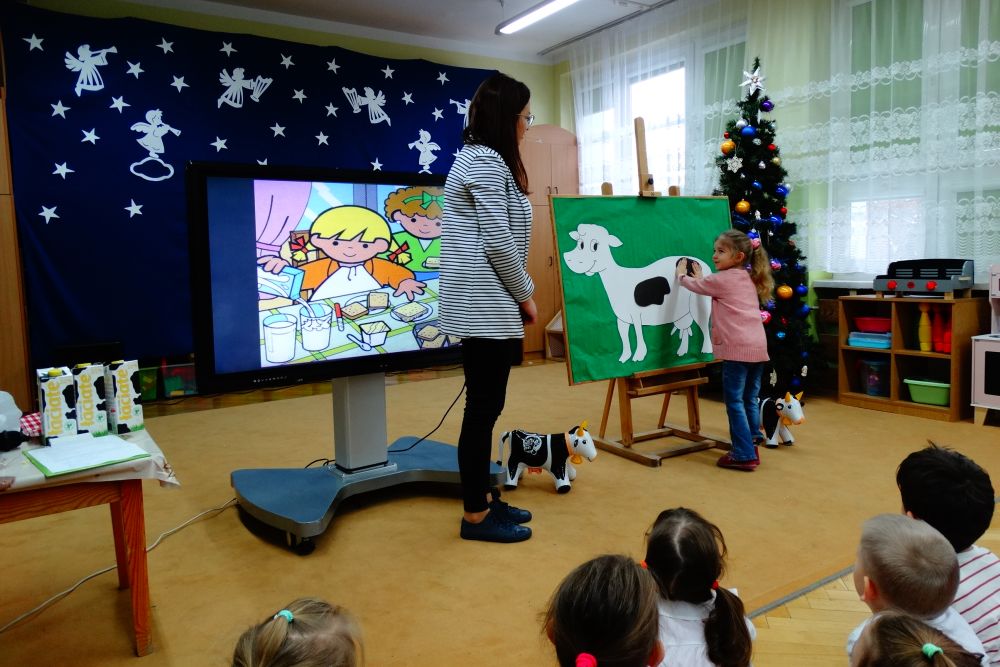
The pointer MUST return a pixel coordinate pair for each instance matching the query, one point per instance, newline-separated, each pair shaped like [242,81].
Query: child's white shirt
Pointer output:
[682,632]
[950,623]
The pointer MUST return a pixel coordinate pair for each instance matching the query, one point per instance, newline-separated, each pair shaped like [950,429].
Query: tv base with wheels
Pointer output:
[301,502]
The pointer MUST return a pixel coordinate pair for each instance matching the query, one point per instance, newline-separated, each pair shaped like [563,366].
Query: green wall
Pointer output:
[548,102]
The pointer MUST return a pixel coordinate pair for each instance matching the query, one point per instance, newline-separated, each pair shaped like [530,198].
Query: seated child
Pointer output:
[604,614]
[893,639]
[306,633]
[905,565]
[954,495]
[701,623]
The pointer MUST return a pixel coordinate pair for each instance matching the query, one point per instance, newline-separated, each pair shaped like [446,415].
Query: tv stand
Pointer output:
[301,501]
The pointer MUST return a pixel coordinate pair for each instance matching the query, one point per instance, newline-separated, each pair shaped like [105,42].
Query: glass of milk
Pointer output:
[315,324]
[279,338]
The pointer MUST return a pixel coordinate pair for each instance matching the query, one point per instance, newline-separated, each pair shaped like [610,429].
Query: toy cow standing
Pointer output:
[776,415]
[555,452]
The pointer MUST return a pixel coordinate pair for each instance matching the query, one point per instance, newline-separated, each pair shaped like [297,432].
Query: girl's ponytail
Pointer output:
[726,635]
[760,273]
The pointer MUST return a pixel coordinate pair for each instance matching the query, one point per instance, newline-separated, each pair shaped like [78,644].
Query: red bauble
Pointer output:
[783,211]
[725,135]
[784,321]
[772,147]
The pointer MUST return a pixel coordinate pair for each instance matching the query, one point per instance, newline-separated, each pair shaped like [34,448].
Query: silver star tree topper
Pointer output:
[755,81]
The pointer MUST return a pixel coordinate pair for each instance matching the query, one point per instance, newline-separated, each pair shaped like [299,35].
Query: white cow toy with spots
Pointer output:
[555,452]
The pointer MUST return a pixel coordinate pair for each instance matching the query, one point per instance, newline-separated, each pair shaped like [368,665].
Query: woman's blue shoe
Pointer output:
[509,512]
[494,529]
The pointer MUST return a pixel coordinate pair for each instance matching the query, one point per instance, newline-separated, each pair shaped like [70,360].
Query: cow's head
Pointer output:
[592,253]
[581,444]
[790,409]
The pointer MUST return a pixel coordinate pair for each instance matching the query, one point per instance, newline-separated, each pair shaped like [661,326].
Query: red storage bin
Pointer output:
[873,324]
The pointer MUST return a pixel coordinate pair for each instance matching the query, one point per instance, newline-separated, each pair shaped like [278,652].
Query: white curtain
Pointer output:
[887,113]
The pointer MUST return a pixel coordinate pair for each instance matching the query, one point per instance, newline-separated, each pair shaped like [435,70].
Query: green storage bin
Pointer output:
[148,378]
[926,391]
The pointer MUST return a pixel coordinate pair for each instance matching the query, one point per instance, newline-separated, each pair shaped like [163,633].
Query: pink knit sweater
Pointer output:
[737,330]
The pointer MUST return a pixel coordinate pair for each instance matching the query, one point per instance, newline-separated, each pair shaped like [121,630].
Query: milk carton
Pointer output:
[57,398]
[124,397]
[91,408]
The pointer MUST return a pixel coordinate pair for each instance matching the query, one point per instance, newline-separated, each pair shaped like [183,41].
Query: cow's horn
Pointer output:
[798,396]
[788,397]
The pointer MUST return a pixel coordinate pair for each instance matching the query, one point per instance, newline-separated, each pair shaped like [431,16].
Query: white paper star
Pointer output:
[263,162]
[119,103]
[442,77]
[333,66]
[49,213]
[90,136]
[58,109]
[734,164]
[299,95]
[62,170]
[227,48]
[438,114]
[34,42]
[134,69]
[331,110]
[168,47]
[407,98]
[286,61]
[278,130]
[388,72]
[376,165]
[179,83]
[219,144]
[321,139]
[133,209]
[755,81]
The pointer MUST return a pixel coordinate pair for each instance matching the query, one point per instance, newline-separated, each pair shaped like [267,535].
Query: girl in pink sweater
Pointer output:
[742,282]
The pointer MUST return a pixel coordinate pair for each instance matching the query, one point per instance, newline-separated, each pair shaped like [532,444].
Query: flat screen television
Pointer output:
[306,274]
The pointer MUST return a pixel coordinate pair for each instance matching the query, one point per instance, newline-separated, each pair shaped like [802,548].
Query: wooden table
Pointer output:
[119,486]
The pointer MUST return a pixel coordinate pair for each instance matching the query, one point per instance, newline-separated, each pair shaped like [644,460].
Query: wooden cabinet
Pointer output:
[550,159]
[962,318]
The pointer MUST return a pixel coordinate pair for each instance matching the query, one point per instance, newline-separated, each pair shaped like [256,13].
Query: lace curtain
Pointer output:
[888,116]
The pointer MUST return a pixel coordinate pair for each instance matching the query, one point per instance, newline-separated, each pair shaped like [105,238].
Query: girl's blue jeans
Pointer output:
[740,387]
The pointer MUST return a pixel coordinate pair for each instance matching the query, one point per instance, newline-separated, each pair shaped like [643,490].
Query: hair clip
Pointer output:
[715,585]
[586,660]
[755,242]
[643,565]
[285,614]
[930,650]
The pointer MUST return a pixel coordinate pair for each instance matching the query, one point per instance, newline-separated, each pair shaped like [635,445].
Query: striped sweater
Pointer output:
[485,233]
[978,596]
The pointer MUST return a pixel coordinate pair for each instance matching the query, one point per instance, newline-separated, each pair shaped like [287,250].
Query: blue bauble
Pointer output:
[766,105]
[805,310]
[795,383]
[780,335]
[749,131]
[802,290]
[799,267]
[752,234]
[781,190]
[756,185]
[770,304]
[805,355]
[775,220]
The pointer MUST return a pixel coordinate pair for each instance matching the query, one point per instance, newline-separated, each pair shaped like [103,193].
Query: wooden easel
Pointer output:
[680,379]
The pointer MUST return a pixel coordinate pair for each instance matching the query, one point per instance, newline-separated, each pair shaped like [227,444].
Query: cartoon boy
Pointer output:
[418,210]
[350,237]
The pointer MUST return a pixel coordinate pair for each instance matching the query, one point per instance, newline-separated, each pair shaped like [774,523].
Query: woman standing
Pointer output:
[486,292]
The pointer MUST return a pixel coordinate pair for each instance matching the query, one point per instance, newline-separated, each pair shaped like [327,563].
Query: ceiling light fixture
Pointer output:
[533,15]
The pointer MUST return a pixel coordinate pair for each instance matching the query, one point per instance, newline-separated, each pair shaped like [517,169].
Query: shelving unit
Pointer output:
[965,318]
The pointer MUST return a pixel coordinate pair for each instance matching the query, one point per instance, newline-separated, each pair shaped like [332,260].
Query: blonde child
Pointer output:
[905,565]
[701,623]
[893,639]
[742,282]
[306,633]
[603,614]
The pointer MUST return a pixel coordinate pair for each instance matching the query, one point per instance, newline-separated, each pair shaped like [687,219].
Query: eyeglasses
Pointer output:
[528,118]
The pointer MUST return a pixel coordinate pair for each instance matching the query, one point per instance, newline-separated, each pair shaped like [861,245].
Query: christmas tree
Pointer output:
[754,180]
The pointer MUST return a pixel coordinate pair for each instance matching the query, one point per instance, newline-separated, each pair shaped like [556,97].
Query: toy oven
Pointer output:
[986,371]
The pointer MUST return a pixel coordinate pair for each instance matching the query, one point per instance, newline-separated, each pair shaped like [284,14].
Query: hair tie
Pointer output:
[643,565]
[930,650]
[285,614]
[715,585]
[586,660]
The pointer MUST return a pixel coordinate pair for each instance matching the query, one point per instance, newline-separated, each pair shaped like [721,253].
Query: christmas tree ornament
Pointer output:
[773,379]
[775,265]
[761,165]
[804,371]
[727,147]
[754,81]
[741,123]
[802,290]
[734,164]
[784,321]
[783,211]
[780,335]
[756,185]
[775,220]
[781,190]
[765,316]
[770,304]
[795,382]
[753,234]
[756,142]
[749,131]
[799,267]
[725,135]
[805,355]
[772,147]
[776,161]
[805,310]
[784,292]
[743,206]
[766,105]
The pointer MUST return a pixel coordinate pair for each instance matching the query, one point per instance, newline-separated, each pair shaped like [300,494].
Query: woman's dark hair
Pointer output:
[493,118]
[607,608]
[686,556]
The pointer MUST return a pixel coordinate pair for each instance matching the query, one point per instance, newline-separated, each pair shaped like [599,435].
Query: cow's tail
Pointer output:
[500,443]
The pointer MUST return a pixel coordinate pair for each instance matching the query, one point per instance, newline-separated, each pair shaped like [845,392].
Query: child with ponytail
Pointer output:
[742,283]
[895,639]
[603,614]
[306,633]
[701,623]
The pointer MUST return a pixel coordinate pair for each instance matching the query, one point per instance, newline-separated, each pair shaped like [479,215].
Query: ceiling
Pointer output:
[466,26]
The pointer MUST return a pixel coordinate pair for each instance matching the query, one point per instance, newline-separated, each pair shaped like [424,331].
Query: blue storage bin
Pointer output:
[879,341]
[874,376]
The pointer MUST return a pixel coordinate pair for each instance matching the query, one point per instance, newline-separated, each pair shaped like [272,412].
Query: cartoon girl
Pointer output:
[350,237]
[418,210]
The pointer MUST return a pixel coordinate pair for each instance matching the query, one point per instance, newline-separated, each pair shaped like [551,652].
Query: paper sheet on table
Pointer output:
[83,452]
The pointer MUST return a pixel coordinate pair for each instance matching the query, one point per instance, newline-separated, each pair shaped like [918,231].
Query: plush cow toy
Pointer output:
[776,415]
[555,452]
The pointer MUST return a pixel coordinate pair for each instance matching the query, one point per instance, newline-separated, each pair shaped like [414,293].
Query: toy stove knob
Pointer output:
[891,284]
[931,285]
[911,284]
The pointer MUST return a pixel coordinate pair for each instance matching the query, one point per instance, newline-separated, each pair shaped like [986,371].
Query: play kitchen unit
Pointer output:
[986,357]
[908,348]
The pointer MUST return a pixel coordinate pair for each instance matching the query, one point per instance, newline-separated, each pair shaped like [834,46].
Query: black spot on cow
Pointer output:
[136,389]
[651,291]
[69,396]
[99,390]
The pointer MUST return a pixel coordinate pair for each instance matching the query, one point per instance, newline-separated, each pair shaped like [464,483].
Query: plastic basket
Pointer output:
[926,391]
[873,324]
